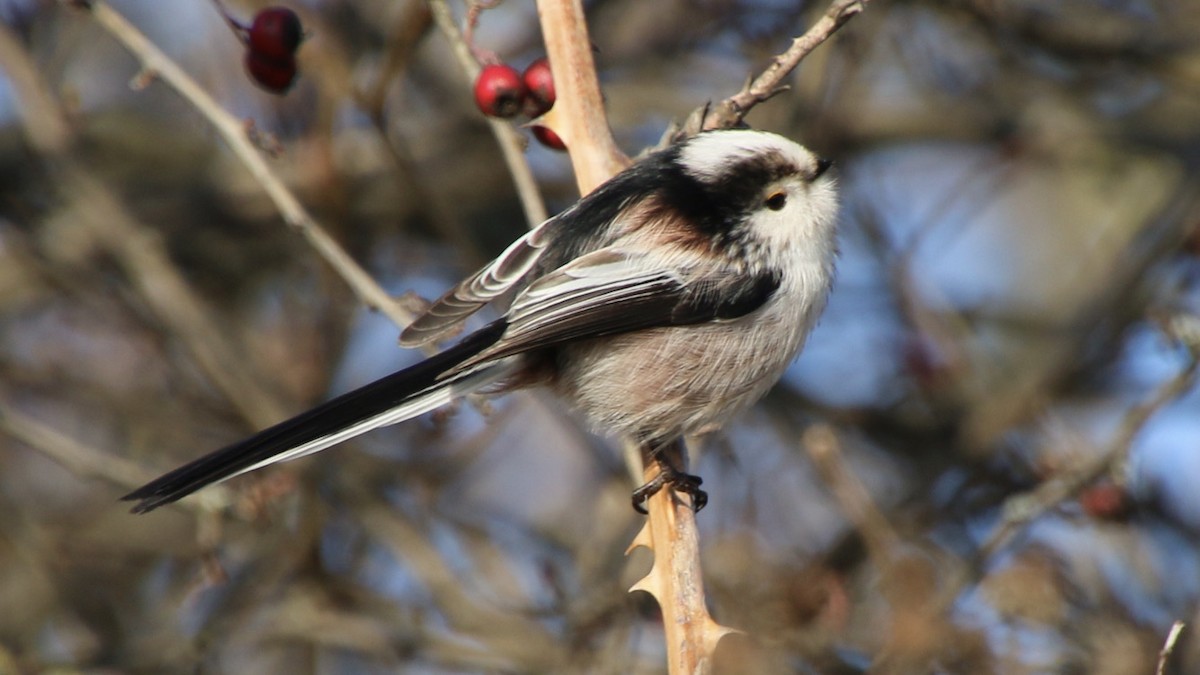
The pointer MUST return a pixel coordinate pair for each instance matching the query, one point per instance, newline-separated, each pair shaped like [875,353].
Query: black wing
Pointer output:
[614,291]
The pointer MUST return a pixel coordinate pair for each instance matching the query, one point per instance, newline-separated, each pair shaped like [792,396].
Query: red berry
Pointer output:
[276,33]
[547,137]
[499,91]
[1105,500]
[274,75]
[539,82]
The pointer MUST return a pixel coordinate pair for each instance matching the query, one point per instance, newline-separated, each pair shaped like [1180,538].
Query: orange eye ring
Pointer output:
[776,201]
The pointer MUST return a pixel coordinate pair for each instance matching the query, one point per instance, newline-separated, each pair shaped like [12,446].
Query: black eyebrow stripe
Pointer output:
[717,203]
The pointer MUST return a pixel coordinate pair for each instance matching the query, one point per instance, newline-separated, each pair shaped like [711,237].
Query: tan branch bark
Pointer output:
[578,118]
[578,114]
[676,579]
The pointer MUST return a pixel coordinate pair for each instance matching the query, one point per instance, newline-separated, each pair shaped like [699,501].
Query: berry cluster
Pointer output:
[271,42]
[500,91]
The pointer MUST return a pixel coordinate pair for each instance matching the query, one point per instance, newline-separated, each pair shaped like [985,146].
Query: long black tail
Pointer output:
[395,398]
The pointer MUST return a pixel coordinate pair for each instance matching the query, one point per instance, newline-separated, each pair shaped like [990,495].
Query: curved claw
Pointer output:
[677,480]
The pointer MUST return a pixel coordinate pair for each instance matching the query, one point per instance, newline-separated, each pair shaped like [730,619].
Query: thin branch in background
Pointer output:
[407,32]
[240,30]
[81,459]
[138,249]
[233,130]
[512,144]
[855,500]
[86,461]
[1022,509]
[906,575]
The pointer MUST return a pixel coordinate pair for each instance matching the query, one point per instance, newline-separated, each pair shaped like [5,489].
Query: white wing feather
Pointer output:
[449,312]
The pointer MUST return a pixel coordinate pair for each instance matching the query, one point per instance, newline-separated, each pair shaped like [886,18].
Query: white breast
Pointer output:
[667,382]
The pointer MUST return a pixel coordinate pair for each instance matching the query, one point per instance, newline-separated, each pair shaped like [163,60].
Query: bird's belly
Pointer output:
[666,382]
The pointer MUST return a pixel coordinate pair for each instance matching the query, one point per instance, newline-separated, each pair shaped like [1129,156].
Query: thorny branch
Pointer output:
[676,579]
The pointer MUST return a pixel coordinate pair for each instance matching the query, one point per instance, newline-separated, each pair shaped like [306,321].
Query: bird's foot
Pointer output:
[669,476]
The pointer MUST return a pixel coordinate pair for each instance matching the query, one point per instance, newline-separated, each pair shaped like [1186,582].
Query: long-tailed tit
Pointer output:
[661,304]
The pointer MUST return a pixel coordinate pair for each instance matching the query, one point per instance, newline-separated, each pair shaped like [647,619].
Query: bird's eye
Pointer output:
[822,166]
[777,201]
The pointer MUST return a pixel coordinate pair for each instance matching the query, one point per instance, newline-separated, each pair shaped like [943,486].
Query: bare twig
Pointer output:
[475,8]
[407,30]
[81,459]
[143,256]
[511,142]
[731,111]
[1164,655]
[906,576]
[233,130]
[239,29]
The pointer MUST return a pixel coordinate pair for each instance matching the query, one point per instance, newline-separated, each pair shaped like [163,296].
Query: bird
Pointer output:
[658,306]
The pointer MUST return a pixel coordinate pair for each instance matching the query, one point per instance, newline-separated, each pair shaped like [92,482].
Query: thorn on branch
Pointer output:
[263,140]
[773,93]
[144,78]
